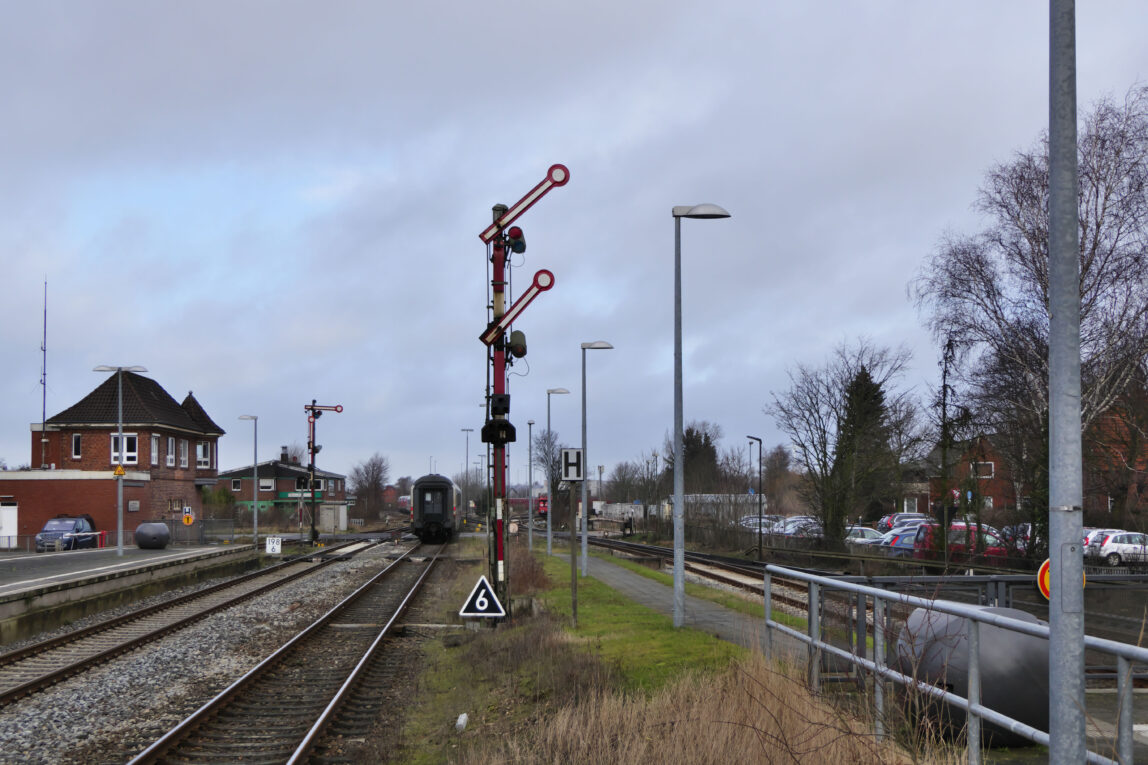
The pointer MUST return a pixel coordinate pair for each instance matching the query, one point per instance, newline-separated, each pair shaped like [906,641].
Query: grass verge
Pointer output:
[624,687]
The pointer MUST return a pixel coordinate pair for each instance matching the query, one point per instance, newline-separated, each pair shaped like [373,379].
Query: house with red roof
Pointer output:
[169,453]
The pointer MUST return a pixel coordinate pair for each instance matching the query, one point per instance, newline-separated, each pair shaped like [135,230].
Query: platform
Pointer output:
[40,591]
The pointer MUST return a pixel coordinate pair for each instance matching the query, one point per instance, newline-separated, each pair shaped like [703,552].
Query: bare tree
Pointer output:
[296,454]
[368,479]
[548,458]
[989,291]
[779,483]
[625,482]
[839,453]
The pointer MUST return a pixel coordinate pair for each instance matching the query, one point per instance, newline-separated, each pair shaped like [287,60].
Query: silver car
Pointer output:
[1123,547]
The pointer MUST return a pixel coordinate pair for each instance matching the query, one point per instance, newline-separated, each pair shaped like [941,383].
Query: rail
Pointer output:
[1125,655]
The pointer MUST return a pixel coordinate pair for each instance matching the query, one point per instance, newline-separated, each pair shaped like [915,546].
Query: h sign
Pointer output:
[572,465]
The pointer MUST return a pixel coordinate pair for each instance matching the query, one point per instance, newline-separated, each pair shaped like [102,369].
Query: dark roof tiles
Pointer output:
[145,402]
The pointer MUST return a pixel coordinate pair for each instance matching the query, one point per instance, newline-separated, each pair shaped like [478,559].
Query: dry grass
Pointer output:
[754,712]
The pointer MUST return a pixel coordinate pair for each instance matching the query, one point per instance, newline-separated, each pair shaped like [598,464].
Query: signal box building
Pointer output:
[170,452]
[283,490]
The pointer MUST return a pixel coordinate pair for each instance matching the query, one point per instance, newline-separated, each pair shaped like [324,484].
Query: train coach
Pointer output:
[435,504]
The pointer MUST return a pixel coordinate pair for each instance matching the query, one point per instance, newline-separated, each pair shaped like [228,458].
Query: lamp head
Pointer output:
[597,345]
[705,210]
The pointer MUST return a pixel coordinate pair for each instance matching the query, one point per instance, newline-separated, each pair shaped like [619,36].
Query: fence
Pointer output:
[882,601]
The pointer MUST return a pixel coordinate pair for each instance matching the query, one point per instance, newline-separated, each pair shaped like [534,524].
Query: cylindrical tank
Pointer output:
[934,648]
[152,536]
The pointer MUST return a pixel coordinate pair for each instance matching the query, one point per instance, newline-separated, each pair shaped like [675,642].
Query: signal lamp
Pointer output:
[517,344]
[516,239]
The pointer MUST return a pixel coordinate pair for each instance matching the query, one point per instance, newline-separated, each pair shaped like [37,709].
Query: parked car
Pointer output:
[1094,539]
[751,522]
[67,533]
[1120,547]
[897,543]
[908,524]
[1017,537]
[800,526]
[962,542]
[892,520]
[862,535]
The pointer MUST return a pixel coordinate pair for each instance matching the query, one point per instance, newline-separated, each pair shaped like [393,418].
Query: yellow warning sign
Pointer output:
[188,519]
[119,471]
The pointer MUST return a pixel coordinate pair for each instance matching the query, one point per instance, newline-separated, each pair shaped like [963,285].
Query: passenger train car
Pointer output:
[435,508]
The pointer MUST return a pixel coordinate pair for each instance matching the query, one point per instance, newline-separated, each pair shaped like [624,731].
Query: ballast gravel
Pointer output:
[113,712]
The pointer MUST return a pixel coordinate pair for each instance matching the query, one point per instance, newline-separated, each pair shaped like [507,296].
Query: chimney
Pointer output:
[283,455]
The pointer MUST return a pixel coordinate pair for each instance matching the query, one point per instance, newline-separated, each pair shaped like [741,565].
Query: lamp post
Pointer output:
[120,447]
[530,485]
[254,478]
[466,469]
[702,211]
[596,345]
[751,440]
[550,467]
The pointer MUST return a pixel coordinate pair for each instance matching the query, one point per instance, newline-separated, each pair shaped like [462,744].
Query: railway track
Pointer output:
[281,710]
[35,667]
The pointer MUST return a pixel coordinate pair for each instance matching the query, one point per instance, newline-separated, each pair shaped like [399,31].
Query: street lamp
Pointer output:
[751,440]
[120,444]
[466,470]
[550,467]
[702,211]
[594,346]
[254,478]
[530,484]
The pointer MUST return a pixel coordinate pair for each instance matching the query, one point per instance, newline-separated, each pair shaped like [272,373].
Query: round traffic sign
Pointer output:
[188,519]
[1044,578]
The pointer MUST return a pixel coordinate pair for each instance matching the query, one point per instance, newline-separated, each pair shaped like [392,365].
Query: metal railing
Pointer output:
[881,600]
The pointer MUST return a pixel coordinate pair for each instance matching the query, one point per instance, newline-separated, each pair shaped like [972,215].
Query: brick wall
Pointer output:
[40,499]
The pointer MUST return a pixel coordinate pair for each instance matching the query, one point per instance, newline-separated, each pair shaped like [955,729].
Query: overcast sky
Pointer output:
[272,202]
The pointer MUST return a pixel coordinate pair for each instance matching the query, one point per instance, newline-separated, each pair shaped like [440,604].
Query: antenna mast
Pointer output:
[44,384]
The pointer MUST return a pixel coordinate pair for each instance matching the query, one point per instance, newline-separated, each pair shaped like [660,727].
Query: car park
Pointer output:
[1120,547]
[67,533]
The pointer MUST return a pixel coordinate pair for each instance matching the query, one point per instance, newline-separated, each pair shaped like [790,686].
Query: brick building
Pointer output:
[283,489]
[169,454]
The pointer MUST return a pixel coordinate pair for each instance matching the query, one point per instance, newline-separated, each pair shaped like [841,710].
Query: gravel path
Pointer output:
[111,713]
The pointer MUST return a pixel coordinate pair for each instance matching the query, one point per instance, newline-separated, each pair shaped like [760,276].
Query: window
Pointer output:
[318,484]
[203,454]
[131,453]
[266,484]
[154,449]
[77,452]
[170,451]
[183,452]
[910,504]
[987,503]
[236,484]
[981,469]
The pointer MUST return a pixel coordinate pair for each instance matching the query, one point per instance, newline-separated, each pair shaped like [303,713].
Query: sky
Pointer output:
[269,203]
